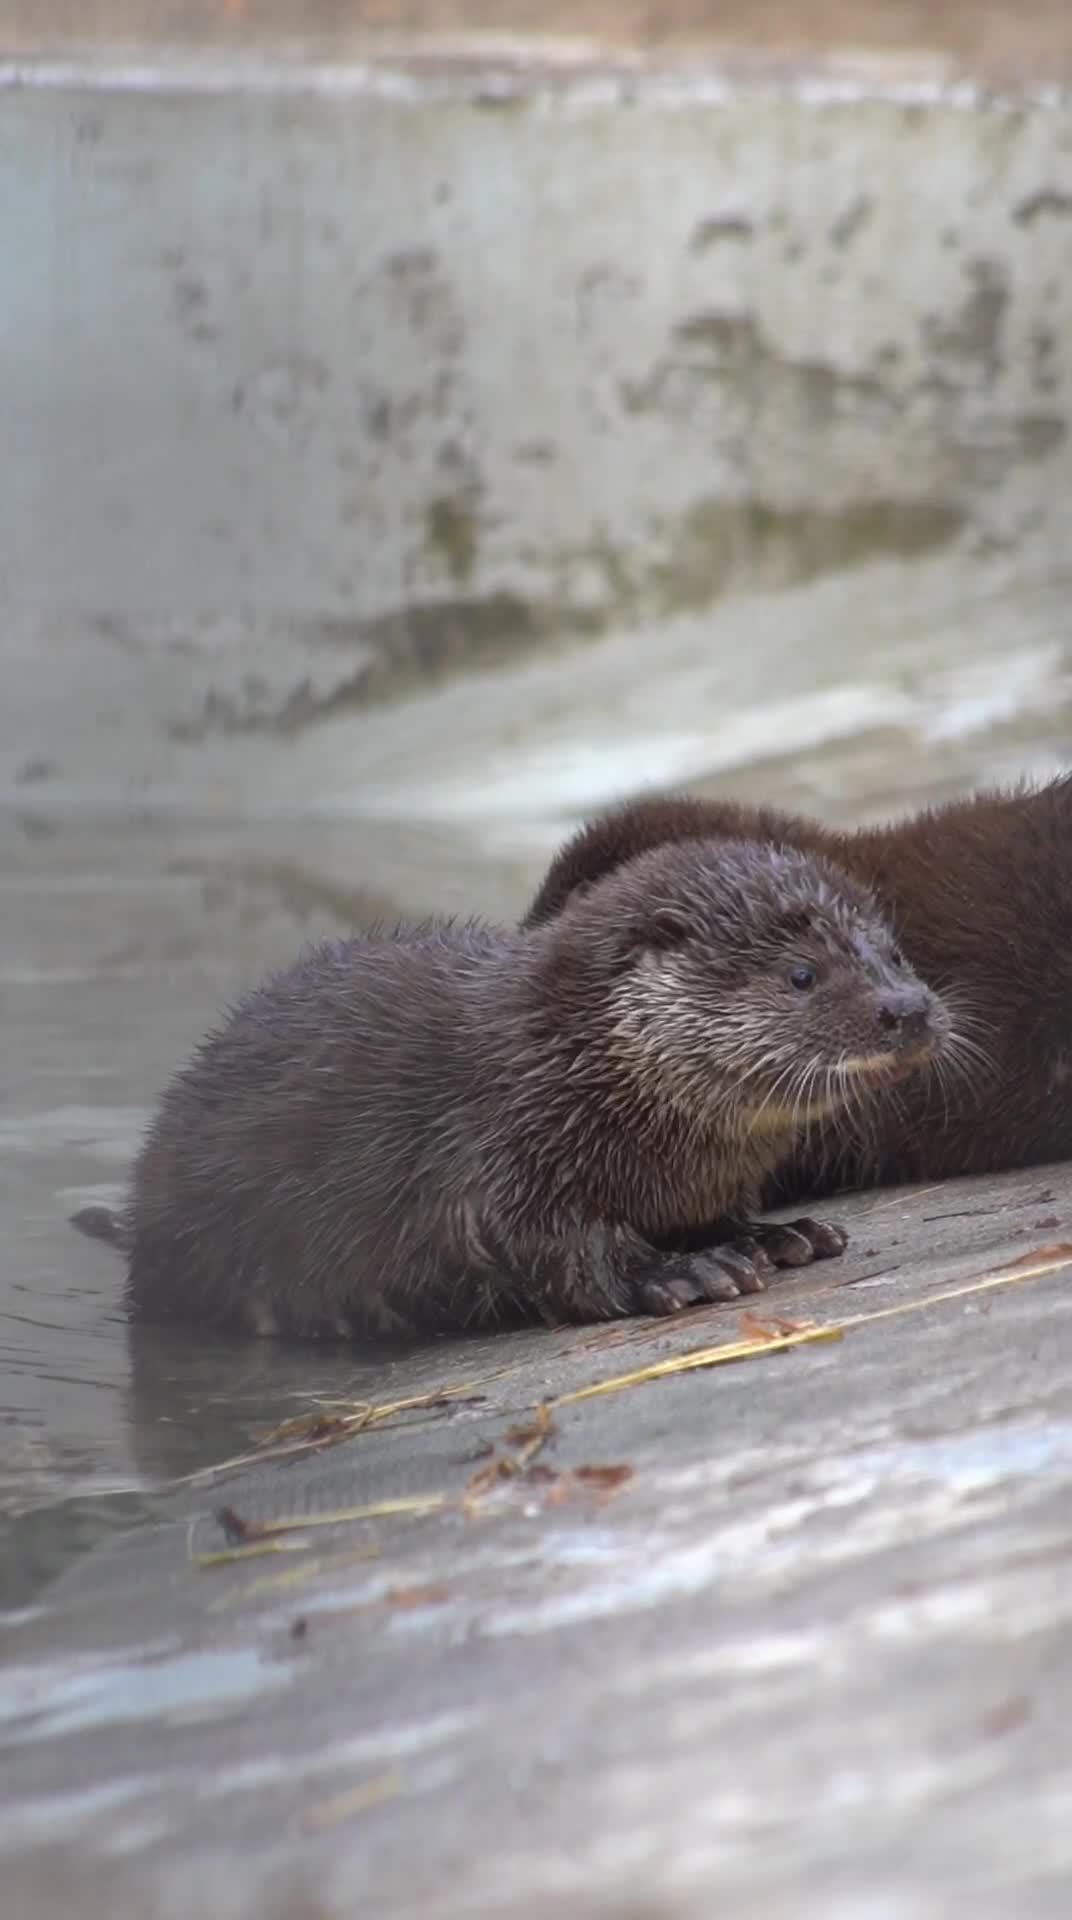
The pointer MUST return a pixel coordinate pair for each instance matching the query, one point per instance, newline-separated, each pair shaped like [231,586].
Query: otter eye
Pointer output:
[802,978]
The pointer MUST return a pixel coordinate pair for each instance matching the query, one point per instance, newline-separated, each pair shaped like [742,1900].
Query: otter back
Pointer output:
[980,895]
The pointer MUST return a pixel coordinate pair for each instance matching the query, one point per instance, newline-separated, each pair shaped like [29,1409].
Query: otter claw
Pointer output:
[788,1247]
[715,1277]
[825,1238]
[753,1251]
[796,1243]
[661,1297]
[729,1273]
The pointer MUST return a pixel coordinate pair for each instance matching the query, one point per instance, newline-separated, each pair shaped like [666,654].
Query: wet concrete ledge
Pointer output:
[803,1642]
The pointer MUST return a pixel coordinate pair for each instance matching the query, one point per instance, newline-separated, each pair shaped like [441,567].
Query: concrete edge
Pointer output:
[499,69]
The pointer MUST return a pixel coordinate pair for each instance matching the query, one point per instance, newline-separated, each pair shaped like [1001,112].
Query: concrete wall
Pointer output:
[462,439]
[989,37]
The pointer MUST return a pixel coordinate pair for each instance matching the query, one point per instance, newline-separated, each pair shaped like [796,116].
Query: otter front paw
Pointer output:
[720,1275]
[796,1243]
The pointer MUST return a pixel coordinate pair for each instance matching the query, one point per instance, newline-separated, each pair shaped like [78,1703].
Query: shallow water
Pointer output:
[118,945]
[116,951]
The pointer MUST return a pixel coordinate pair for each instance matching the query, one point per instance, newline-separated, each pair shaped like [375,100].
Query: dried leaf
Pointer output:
[485,1477]
[1061,1254]
[774,1327]
[606,1479]
[408,1599]
[753,1329]
[563,1490]
[599,1481]
[528,1439]
[314,1427]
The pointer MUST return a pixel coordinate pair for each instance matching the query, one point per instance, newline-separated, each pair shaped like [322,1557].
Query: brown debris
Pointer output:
[605,1479]
[308,1432]
[329,1425]
[314,1428]
[774,1327]
[484,1478]
[238,1532]
[530,1439]
[1006,1716]
[527,1440]
[753,1329]
[1056,1256]
[410,1599]
[601,1482]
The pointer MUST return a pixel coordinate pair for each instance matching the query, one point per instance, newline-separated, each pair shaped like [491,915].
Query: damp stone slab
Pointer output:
[793,1632]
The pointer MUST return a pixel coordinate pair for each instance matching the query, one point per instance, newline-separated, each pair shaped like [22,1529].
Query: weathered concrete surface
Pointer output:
[811,1656]
[1034,39]
[618,398]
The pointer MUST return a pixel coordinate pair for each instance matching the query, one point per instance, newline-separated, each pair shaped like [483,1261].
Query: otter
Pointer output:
[459,1125]
[979,892]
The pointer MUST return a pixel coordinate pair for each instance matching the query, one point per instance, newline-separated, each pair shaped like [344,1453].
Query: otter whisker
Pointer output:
[966,1057]
[756,1114]
[961,1078]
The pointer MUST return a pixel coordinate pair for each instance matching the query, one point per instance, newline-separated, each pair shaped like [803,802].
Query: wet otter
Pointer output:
[980,894]
[460,1125]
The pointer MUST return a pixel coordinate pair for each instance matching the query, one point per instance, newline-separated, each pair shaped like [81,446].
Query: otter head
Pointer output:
[754,985]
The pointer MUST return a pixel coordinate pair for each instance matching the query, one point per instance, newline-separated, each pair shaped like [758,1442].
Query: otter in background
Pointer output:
[980,896]
[460,1126]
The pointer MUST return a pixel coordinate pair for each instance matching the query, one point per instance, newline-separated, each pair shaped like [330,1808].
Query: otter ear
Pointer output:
[661,929]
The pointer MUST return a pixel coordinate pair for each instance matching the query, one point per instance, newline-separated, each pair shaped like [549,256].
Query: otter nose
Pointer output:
[904,1013]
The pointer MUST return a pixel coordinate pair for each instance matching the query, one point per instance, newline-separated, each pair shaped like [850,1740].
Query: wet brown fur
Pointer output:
[461,1125]
[980,896]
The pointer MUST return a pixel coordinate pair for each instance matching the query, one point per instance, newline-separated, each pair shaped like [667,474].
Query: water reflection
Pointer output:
[193,1401]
